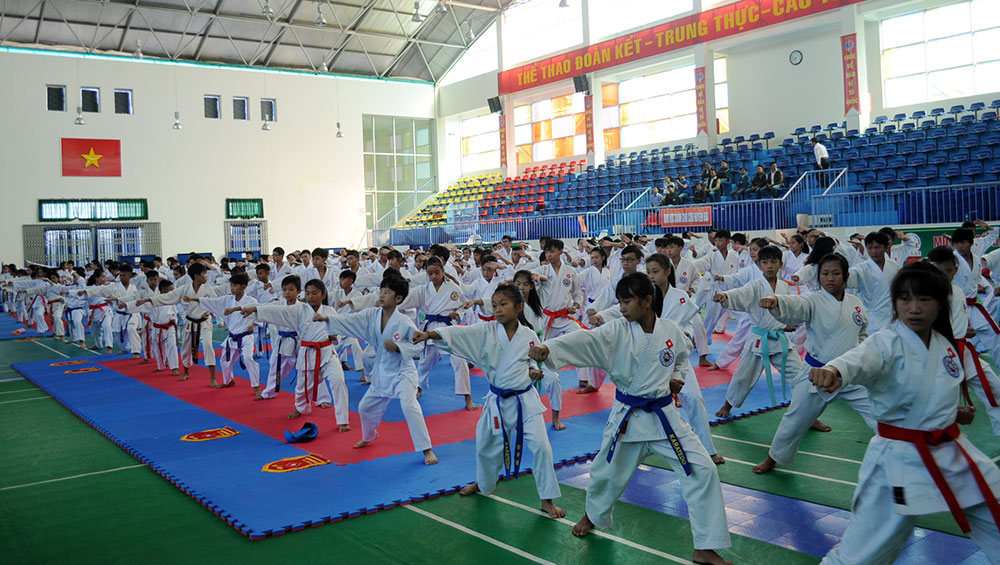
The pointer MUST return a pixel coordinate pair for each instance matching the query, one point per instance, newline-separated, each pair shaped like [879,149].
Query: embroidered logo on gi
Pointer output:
[87,370]
[567,281]
[683,278]
[395,337]
[952,367]
[858,319]
[454,296]
[683,300]
[666,357]
[295,463]
[206,435]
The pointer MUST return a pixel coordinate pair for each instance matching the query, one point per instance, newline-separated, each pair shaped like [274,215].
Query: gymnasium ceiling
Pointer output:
[377,38]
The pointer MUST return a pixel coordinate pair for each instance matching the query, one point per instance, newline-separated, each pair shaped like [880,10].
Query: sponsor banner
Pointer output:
[686,217]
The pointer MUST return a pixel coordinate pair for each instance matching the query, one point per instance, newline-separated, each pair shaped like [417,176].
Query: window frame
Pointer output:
[97,99]
[218,106]
[232,212]
[45,206]
[62,89]
[273,114]
[131,107]
[246,108]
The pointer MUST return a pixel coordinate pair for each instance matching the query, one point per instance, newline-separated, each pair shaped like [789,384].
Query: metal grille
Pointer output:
[50,244]
[56,98]
[243,236]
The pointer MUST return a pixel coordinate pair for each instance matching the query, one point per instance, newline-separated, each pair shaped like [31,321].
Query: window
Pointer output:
[534,29]
[480,58]
[55,98]
[244,208]
[92,210]
[90,99]
[554,128]
[268,109]
[243,236]
[399,166]
[947,52]
[241,108]
[123,101]
[650,109]
[480,143]
[721,97]
[212,107]
[610,17]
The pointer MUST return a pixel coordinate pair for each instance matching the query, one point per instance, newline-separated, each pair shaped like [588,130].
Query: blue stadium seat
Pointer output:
[936,133]
[866,178]
[990,139]
[968,141]
[869,152]
[972,168]
[928,172]
[906,148]
[950,170]
[979,127]
[908,127]
[918,115]
[896,186]
[947,143]
[976,107]
[935,112]
[927,146]
[981,154]
[959,156]
[887,150]
[917,160]
[887,175]
[897,138]
[928,124]
[919,183]
[877,163]
[917,135]
[940,181]
[858,165]
[896,161]
[851,154]
[906,174]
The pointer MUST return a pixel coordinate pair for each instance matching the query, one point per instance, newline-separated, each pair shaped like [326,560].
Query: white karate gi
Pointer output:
[125,325]
[873,285]
[162,331]
[76,307]
[100,321]
[715,264]
[438,302]
[394,376]
[285,352]
[505,363]
[915,387]
[239,345]
[732,350]
[642,365]
[968,278]
[195,317]
[558,294]
[686,277]
[959,327]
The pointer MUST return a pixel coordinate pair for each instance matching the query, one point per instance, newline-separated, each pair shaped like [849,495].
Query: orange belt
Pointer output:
[964,344]
[982,309]
[318,346]
[922,440]
[564,313]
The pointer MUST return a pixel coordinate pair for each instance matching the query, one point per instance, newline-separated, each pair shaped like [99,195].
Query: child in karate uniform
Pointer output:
[872,278]
[769,344]
[646,358]
[390,333]
[524,281]
[100,313]
[919,463]
[320,376]
[125,325]
[286,346]
[512,406]
[162,329]
[687,278]
[76,307]
[835,323]
[239,344]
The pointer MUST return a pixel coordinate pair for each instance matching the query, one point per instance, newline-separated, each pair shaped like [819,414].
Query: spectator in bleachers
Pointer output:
[668,182]
[723,171]
[656,197]
[706,171]
[713,186]
[742,184]
[673,197]
[775,180]
[757,184]
[682,183]
[700,196]
[822,157]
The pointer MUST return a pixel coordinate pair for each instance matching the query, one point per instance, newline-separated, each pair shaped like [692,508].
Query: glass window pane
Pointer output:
[722,117]
[533,29]
[657,83]
[562,147]
[609,94]
[684,103]
[405,174]
[541,131]
[720,71]
[903,61]
[522,115]
[423,135]
[403,135]
[682,78]
[988,78]
[524,154]
[542,151]
[632,113]
[947,20]
[384,203]
[611,139]
[370,210]
[631,89]
[722,95]
[952,83]
[522,134]
[609,17]
[562,105]
[950,52]
[489,141]
[541,110]
[685,127]
[658,108]
[905,91]
[562,127]
[579,123]
[369,171]
[470,127]
[383,134]
[985,13]
[610,117]
[580,145]
[425,172]
[986,44]
[659,131]
[90,100]
[384,166]
[578,103]
[902,30]
[489,122]
[633,136]
[468,145]
[470,163]
[491,160]
[368,134]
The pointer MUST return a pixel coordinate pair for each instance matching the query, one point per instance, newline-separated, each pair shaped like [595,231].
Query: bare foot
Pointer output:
[256,391]
[704,362]
[765,466]
[820,426]
[469,489]
[362,379]
[325,405]
[144,361]
[343,427]
[175,373]
[718,332]
[429,457]
[364,443]
[708,556]
[184,377]
[137,356]
[258,397]
[583,527]
[420,391]
[718,459]
[295,414]
[109,351]
[558,425]
[345,366]
[213,384]
[553,511]
[724,411]
[468,403]
[231,383]
[586,390]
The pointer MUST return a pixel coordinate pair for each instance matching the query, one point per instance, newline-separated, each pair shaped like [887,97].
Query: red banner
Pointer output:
[686,217]
[503,140]
[699,96]
[849,52]
[724,21]
[588,108]
[91,157]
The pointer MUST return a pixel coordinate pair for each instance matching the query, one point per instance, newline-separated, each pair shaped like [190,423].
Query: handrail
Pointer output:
[638,198]
[395,209]
[833,183]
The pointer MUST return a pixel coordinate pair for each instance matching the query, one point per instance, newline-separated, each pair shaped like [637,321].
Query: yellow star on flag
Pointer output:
[91,159]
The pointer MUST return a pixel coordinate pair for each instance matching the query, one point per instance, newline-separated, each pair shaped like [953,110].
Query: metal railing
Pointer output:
[924,205]
[404,207]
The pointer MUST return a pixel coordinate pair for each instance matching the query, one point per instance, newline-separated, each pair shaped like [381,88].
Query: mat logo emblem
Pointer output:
[217,433]
[27,339]
[18,332]
[295,463]
[84,370]
[65,363]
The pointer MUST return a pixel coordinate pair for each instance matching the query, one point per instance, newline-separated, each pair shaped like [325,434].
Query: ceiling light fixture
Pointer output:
[472,34]
[79,117]
[177,121]
[416,13]
[320,19]
[323,68]
[266,126]
[442,8]
[340,134]
[138,49]
[267,10]
[563,4]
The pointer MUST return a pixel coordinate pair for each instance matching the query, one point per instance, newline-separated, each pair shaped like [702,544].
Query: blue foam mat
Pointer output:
[225,474]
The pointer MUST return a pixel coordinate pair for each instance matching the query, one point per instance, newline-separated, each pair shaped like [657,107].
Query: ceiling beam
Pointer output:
[41,18]
[204,34]
[128,27]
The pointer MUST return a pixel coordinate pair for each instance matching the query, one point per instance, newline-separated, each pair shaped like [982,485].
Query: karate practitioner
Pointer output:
[872,278]
[978,294]
[720,261]
[286,350]
[161,329]
[559,289]
[536,319]
[512,412]
[688,279]
[920,462]
[125,325]
[239,345]
[100,313]
[646,358]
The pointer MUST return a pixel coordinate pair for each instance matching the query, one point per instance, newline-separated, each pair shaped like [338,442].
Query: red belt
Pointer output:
[318,346]
[486,318]
[93,309]
[553,314]
[982,309]
[922,440]
[963,345]
[159,336]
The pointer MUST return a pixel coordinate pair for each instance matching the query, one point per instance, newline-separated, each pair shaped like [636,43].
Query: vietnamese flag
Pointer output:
[91,157]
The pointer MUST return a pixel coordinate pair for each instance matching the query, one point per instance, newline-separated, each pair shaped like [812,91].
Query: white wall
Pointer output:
[312,183]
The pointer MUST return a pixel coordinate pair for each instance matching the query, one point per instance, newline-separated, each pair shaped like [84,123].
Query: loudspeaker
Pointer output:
[581,84]
[494,103]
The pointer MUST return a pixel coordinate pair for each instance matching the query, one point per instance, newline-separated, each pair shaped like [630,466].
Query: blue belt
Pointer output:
[812,362]
[519,428]
[238,338]
[282,336]
[765,337]
[654,405]
[431,318]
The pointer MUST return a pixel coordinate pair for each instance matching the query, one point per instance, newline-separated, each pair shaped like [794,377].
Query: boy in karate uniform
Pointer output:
[345,292]
[561,299]
[239,345]
[872,277]
[512,406]
[769,344]
[161,329]
[920,462]
[976,289]
[286,346]
[390,334]
[320,376]
[835,323]
[646,358]
[125,325]
[687,279]
[263,292]
[720,261]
